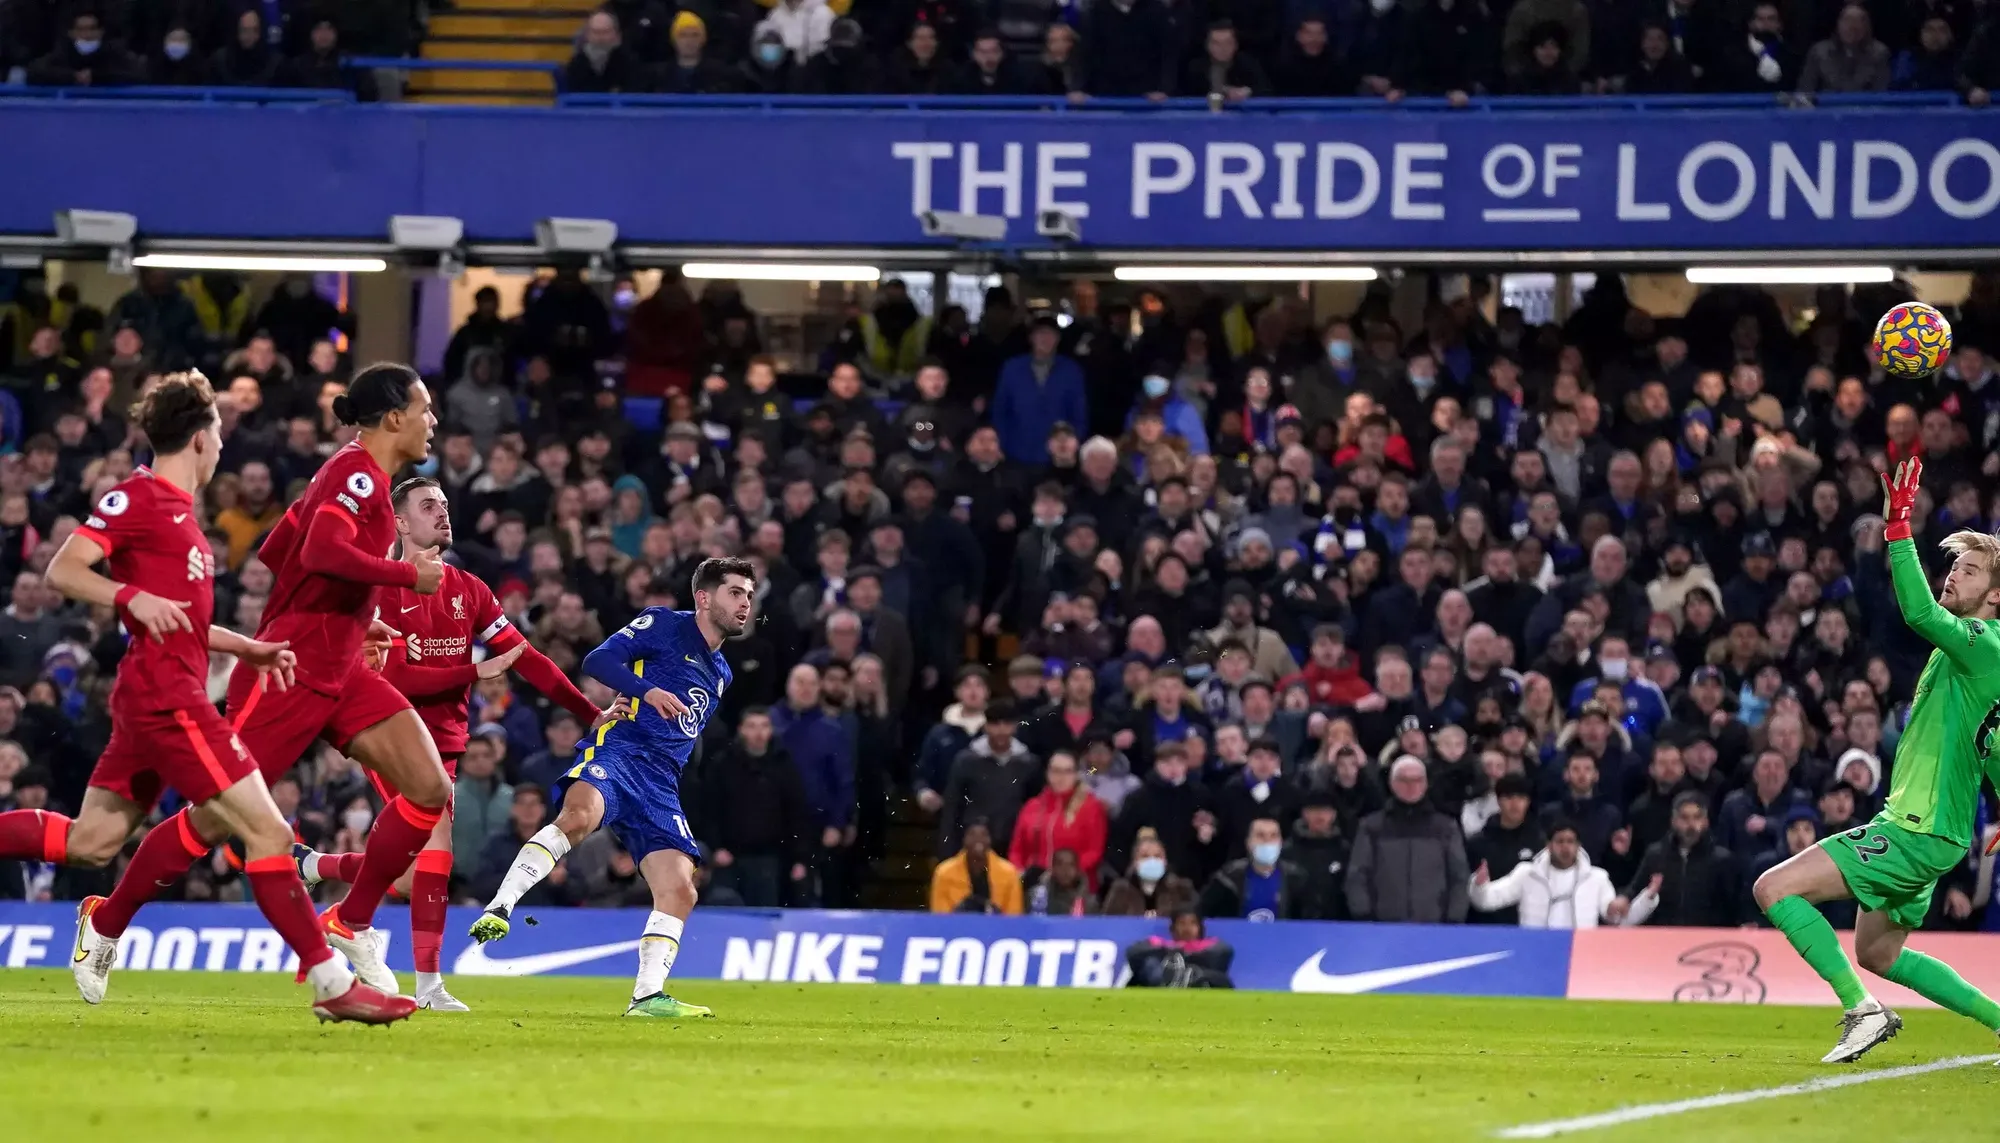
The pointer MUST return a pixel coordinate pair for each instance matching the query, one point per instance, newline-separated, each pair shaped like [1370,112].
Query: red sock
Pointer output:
[399,835]
[167,851]
[274,881]
[34,835]
[339,867]
[429,893]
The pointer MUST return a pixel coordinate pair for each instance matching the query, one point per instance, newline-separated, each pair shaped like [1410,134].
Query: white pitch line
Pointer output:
[1727,1099]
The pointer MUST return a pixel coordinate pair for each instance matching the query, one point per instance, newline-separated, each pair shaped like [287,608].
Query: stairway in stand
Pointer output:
[543,30]
[901,877]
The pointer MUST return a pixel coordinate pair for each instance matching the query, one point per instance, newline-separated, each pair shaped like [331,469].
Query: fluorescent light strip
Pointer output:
[1788,275]
[255,262]
[783,271]
[1244,273]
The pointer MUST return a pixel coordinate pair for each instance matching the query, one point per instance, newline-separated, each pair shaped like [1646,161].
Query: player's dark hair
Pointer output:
[401,494]
[374,393]
[175,411]
[712,572]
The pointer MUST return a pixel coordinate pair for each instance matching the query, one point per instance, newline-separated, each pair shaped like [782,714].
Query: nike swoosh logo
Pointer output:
[1311,978]
[474,961]
[411,608]
[180,517]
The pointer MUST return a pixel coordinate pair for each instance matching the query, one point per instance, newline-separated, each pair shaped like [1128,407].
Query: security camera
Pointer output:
[963,227]
[593,236]
[96,228]
[425,232]
[1059,225]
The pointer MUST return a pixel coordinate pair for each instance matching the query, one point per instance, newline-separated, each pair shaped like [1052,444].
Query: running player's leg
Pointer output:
[1788,894]
[670,874]
[430,893]
[272,727]
[1879,944]
[101,828]
[315,867]
[247,811]
[376,726]
[584,805]
[89,841]
[107,818]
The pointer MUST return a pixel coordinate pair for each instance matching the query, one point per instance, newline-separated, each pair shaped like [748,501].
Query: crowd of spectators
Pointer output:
[1171,600]
[1226,50]
[201,43]
[1231,50]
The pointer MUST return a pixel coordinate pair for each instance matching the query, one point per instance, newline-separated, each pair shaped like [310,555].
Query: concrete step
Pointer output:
[546,50]
[507,25]
[525,83]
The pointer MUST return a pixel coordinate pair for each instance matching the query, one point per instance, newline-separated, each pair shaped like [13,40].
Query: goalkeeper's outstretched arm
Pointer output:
[1921,610]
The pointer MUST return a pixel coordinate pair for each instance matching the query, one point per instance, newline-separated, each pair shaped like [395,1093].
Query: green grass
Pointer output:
[175,1056]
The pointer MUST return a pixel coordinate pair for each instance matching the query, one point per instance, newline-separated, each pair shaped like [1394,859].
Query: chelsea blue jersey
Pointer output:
[667,650]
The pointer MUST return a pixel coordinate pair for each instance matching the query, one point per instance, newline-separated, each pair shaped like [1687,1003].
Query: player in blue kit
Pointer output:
[668,665]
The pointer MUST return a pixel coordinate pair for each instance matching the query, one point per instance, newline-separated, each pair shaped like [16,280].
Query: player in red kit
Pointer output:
[430,660]
[330,556]
[164,730]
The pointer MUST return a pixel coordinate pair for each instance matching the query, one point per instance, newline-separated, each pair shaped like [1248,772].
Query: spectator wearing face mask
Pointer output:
[770,67]
[1261,886]
[1149,888]
[805,27]
[177,64]
[85,59]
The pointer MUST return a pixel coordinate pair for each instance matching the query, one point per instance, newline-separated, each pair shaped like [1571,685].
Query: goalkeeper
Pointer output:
[1890,865]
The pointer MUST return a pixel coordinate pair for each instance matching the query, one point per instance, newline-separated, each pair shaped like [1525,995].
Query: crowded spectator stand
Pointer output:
[1226,53]
[1138,600]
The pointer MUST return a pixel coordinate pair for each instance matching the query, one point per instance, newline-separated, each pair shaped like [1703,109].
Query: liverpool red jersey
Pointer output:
[324,616]
[148,529]
[432,662]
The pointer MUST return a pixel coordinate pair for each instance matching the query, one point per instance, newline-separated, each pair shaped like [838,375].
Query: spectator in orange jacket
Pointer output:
[976,879]
[1063,816]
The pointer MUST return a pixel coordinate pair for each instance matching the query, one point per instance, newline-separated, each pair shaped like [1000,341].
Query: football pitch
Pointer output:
[185,1056]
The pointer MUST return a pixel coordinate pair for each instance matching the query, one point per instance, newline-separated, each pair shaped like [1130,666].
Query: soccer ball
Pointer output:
[1912,340]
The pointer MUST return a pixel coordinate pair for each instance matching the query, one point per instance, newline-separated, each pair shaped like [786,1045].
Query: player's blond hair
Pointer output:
[1959,543]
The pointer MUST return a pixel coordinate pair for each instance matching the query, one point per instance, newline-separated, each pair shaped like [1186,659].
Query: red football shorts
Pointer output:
[387,790]
[193,750]
[279,726]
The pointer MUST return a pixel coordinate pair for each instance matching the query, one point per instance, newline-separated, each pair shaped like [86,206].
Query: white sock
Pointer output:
[429,980]
[329,978]
[657,950]
[534,862]
[310,871]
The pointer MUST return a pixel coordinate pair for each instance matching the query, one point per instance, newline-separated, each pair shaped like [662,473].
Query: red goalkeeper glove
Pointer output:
[1899,498]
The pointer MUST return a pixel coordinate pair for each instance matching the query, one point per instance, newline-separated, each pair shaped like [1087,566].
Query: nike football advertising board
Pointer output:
[853,947]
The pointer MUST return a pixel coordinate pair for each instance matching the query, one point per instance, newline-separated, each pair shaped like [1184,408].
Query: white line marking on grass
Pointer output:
[1726,1099]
